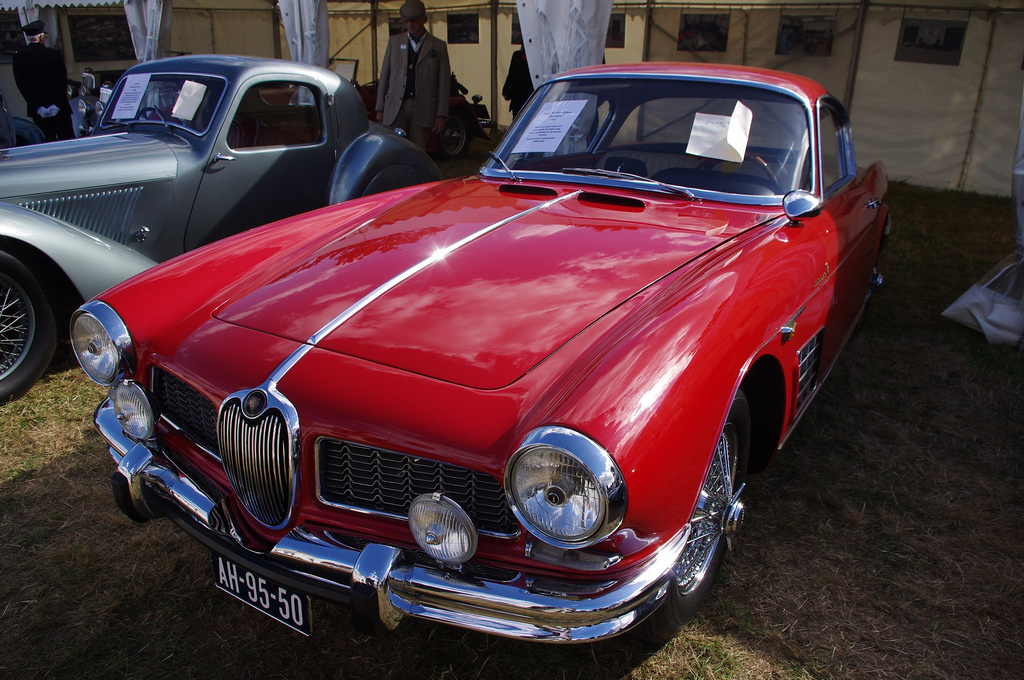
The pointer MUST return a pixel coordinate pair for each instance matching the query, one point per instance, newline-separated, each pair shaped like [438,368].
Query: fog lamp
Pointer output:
[442,529]
[134,409]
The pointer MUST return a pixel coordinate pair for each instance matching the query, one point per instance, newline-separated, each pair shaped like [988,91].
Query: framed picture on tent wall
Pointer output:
[931,41]
[463,29]
[810,36]
[11,37]
[616,36]
[100,37]
[703,33]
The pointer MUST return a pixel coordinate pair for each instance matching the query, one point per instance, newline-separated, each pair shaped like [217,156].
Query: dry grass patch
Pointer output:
[883,542]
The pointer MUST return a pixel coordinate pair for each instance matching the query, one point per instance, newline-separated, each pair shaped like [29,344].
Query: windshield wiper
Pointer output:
[504,165]
[618,174]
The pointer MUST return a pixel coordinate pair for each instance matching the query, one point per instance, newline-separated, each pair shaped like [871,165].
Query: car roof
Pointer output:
[237,68]
[800,86]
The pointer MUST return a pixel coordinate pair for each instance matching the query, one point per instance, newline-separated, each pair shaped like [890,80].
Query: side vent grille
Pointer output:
[809,357]
[107,213]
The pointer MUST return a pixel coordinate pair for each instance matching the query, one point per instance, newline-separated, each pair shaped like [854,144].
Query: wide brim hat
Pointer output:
[412,9]
[34,28]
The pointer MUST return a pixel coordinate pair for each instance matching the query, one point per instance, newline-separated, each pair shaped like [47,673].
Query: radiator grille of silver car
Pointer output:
[372,479]
[107,213]
[187,409]
[808,356]
[257,458]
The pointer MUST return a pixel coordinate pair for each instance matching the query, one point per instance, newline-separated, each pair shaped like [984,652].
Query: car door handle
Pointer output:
[221,157]
[873,203]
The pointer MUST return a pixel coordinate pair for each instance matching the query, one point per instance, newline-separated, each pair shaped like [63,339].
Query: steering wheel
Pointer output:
[143,113]
[759,163]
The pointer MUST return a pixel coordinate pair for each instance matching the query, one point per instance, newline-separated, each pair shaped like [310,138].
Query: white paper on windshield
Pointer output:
[127,105]
[721,137]
[188,101]
[549,127]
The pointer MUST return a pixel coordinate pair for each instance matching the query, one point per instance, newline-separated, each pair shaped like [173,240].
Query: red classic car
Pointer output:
[524,402]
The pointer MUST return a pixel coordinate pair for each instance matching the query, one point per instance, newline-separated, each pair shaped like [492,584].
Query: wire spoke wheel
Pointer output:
[714,523]
[454,141]
[707,526]
[28,332]
[17,325]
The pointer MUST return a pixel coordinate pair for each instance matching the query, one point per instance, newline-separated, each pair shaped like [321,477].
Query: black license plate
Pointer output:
[276,601]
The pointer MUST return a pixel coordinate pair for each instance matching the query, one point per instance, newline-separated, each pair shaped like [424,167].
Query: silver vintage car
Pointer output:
[188,150]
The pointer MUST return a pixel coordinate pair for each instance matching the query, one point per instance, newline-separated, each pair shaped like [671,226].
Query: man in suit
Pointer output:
[42,79]
[415,78]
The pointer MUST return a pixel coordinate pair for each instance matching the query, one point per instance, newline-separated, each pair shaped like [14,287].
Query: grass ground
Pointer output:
[884,541]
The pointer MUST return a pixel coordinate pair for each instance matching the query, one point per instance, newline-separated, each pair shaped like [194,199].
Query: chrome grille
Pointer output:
[256,453]
[808,356]
[190,411]
[372,479]
[107,213]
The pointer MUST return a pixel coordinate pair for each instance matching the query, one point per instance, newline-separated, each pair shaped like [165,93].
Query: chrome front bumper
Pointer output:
[378,582]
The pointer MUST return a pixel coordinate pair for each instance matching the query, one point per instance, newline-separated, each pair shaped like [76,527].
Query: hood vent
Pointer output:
[107,213]
[528,191]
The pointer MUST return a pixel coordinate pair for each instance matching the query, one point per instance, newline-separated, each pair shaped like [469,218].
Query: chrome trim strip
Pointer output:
[387,286]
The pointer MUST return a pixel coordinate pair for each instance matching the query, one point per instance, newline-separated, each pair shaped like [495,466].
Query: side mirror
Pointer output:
[801,205]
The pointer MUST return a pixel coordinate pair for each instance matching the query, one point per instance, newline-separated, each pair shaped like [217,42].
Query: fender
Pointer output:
[378,161]
[92,263]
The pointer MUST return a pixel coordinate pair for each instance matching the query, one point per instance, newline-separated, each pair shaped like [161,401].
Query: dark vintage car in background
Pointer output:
[465,121]
[188,150]
[525,402]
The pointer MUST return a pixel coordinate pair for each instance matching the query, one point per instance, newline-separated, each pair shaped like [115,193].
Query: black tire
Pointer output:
[453,142]
[705,551]
[28,332]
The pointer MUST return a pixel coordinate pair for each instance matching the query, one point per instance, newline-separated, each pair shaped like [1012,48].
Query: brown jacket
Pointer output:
[433,80]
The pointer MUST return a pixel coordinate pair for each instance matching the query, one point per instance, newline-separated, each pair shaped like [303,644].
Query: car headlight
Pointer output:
[565,488]
[101,342]
[134,409]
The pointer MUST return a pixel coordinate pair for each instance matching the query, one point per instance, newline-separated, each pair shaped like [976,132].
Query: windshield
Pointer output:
[184,100]
[711,136]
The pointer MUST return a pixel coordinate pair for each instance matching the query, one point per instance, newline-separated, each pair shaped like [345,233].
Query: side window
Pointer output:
[276,114]
[834,157]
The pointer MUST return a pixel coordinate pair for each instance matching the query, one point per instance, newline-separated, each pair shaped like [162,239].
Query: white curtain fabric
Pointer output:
[306,28]
[563,34]
[150,24]
[995,305]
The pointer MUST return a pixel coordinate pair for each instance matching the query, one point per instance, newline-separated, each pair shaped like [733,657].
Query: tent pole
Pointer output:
[493,109]
[647,32]
[375,70]
[851,78]
[993,18]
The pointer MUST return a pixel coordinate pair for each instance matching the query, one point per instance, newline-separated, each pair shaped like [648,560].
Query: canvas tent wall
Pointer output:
[940,125]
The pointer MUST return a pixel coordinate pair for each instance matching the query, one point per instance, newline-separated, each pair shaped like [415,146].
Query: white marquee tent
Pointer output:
[941,118]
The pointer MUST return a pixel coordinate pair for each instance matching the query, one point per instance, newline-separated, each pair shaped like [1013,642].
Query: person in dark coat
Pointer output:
[519,83]
[42,79]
